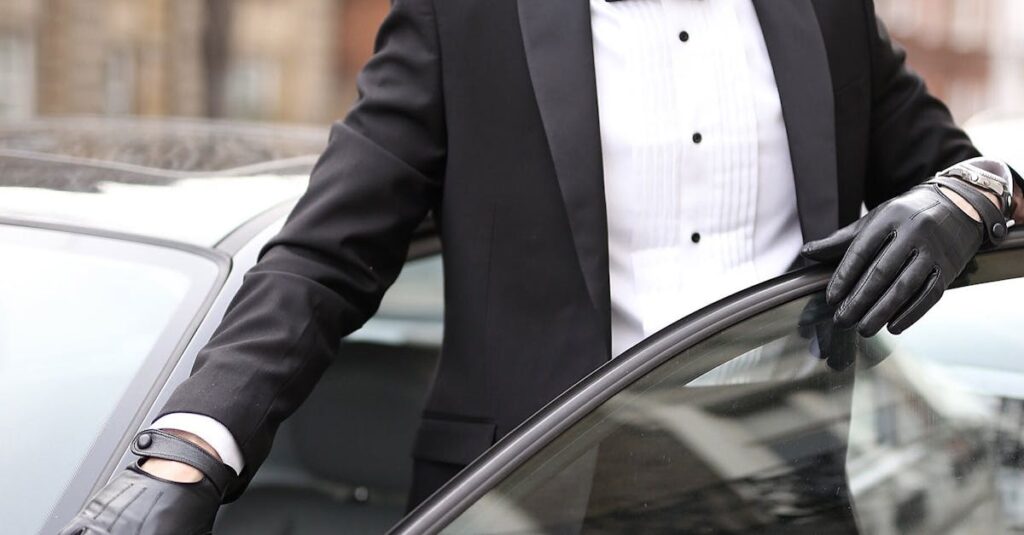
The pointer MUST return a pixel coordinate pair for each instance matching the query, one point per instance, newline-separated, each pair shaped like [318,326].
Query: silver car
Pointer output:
[123,241]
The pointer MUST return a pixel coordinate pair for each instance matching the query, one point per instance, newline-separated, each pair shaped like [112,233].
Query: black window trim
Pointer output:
[566,410]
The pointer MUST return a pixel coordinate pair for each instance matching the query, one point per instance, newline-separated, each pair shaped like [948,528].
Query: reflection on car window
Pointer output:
[751,430]
[79,317]
[936,441]
[674,455]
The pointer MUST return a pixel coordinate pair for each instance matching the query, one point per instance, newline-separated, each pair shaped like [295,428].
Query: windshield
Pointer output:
[750,430]
[80,317]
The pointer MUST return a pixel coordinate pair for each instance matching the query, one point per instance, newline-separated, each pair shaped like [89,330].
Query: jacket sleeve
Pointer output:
[345,242]
[913,134]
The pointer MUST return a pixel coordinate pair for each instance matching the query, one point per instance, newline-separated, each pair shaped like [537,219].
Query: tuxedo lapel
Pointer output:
[560,53]
[797,50]
[558,44]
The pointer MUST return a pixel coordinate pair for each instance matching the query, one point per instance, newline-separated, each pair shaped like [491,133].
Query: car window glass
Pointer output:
[79,317]
[412,311]
[937,437]
[669,454]
[751,430]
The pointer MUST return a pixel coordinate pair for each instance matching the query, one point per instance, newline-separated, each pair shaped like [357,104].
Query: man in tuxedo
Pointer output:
[597,169]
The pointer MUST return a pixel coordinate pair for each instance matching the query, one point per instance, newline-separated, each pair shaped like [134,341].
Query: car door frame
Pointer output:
[565,411]
[235,255]
[99,464]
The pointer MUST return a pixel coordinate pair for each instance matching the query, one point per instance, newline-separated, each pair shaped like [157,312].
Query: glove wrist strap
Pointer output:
[161,445]
[992,221]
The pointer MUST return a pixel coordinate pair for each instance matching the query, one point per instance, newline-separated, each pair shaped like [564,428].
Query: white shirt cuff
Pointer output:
[208,429]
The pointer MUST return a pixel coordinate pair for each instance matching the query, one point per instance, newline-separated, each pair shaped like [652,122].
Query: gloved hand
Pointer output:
[135,502]
[138,503]
[898,259]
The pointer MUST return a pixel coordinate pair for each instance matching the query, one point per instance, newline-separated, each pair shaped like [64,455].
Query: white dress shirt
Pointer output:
[697,173]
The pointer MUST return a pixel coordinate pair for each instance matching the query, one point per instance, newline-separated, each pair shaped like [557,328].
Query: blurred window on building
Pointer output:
[969,24]
[121,81]
[968,51]
[17,75]
[252,89]
[901,17]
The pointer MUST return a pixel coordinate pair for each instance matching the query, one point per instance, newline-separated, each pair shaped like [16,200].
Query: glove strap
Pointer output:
[161,445]
[992,221]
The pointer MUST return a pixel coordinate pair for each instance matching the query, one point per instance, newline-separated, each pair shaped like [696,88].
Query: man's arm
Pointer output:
[1018,200]
[324,275]
[897,261]
[913,134]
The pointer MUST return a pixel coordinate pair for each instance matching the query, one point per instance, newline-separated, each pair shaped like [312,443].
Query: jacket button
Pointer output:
[144,441]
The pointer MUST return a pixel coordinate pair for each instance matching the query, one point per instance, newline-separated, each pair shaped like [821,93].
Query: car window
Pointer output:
[341,463]
[412,311]
[80,318]
[751,430]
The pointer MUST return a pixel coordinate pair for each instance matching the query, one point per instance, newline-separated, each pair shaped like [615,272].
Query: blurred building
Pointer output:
[17,57]
[971,52]
[296,60]
[250,59]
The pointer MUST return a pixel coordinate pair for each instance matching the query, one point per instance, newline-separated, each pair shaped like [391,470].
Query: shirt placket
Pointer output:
[689,36]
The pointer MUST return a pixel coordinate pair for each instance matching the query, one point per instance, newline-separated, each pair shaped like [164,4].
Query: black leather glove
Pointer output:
[138,503]
[898,259]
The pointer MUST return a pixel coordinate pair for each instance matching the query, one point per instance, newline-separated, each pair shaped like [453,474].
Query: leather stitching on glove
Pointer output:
[865,279]
[149,511]
[926,208]
[127,505]
[933,280]
[900,284]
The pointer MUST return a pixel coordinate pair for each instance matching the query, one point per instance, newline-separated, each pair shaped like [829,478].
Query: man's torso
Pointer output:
[697,174]
[523,213]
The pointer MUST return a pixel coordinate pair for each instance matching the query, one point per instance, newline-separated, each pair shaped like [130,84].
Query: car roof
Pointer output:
[191,181]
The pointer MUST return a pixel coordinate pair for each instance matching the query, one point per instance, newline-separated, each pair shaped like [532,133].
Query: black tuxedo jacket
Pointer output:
[484,112]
